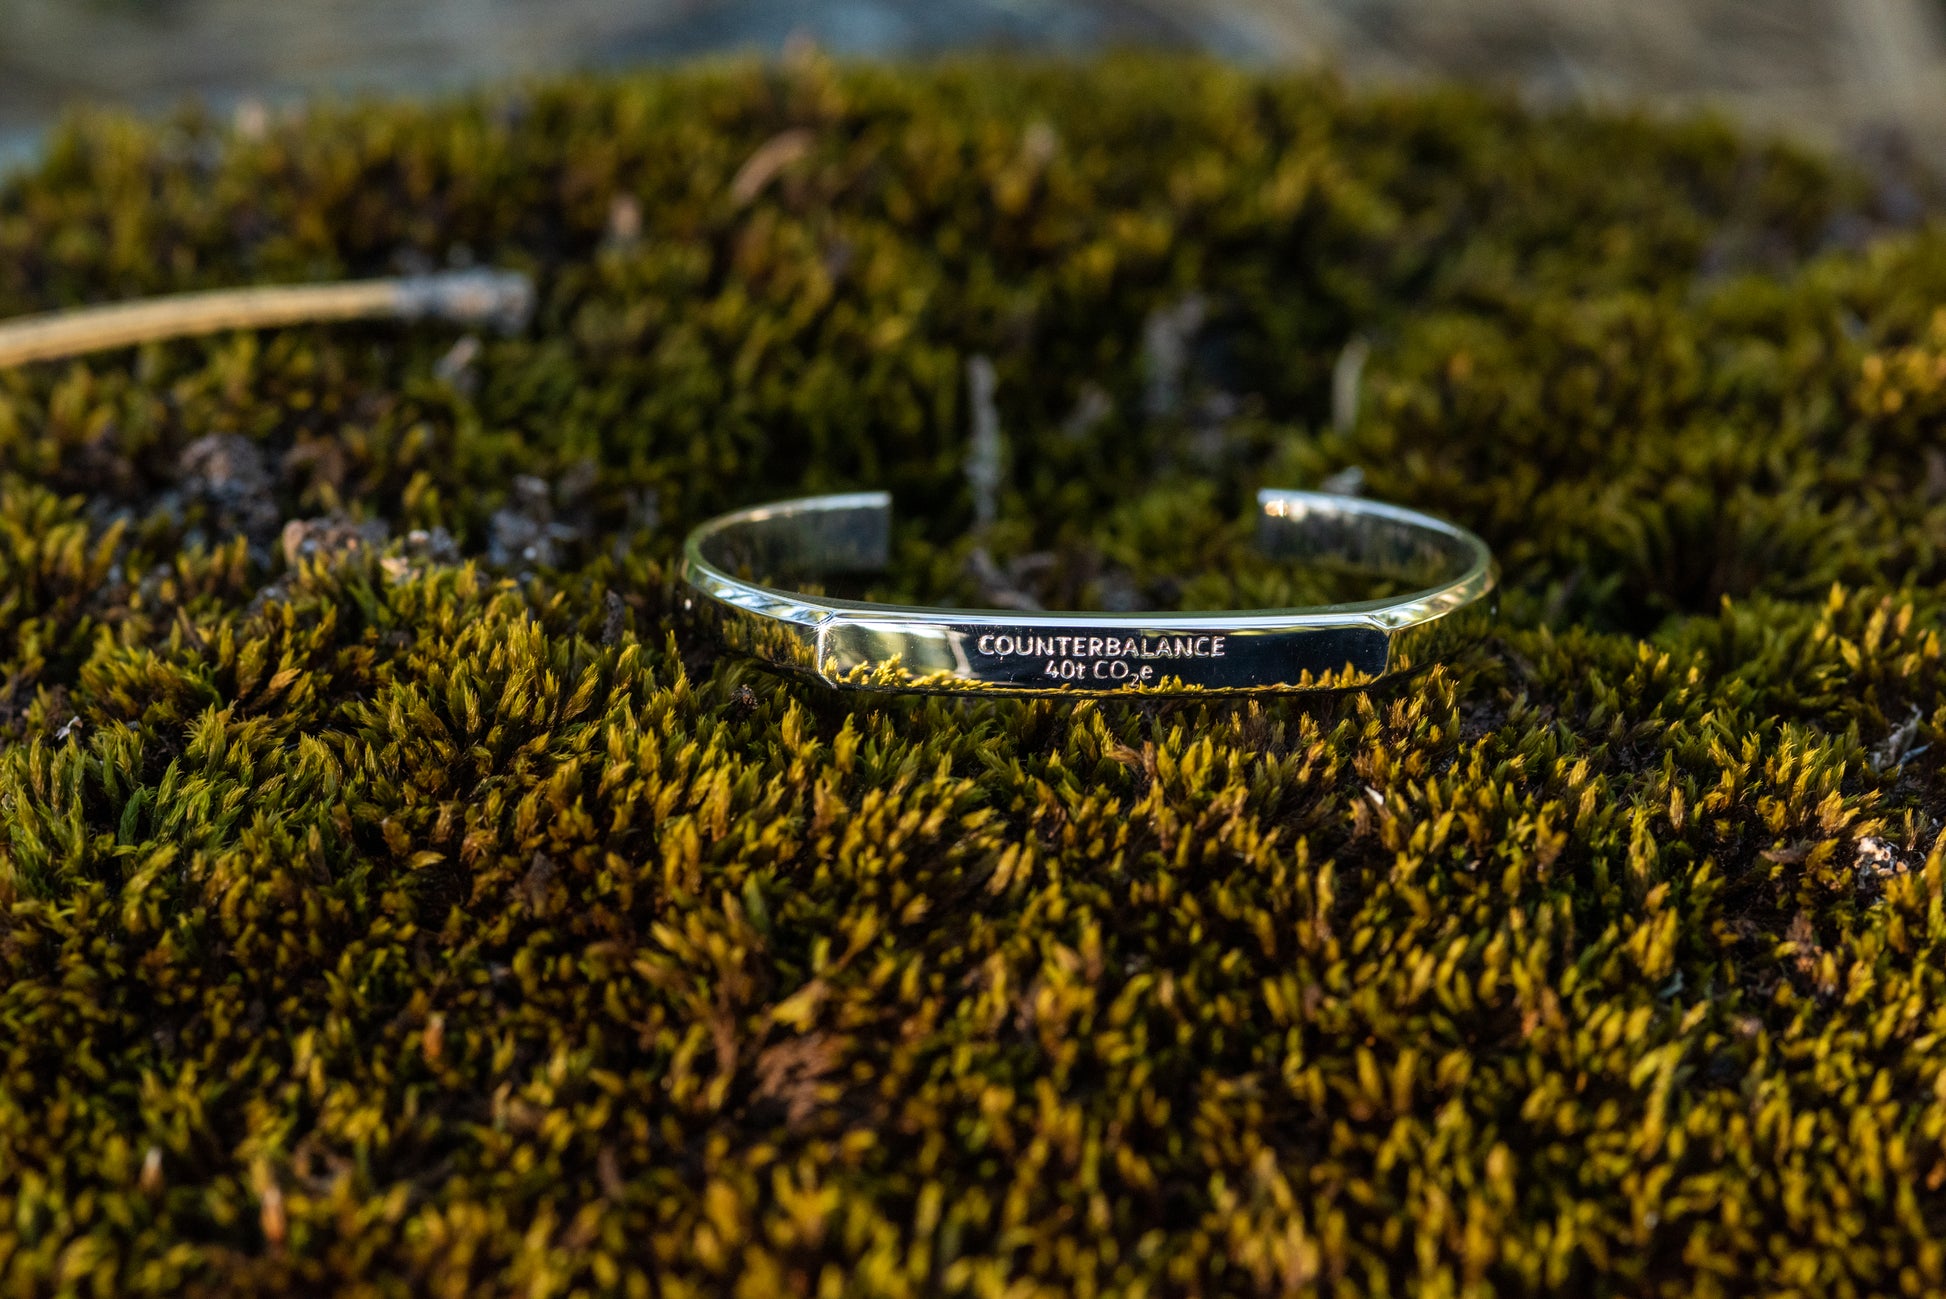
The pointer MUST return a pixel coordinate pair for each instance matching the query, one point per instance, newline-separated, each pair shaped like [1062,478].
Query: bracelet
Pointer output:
[855,645]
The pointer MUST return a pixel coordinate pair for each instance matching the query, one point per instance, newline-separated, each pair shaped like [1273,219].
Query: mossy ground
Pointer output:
[384,912]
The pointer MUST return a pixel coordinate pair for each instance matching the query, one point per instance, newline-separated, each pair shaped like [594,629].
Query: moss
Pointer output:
[403,902]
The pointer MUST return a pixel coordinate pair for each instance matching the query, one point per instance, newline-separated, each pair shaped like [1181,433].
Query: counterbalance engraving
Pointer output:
[1128,659]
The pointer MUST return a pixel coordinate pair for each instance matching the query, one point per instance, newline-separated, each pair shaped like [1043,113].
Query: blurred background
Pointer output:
[1844,73]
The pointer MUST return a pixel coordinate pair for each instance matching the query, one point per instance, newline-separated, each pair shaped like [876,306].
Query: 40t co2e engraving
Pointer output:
[858,645]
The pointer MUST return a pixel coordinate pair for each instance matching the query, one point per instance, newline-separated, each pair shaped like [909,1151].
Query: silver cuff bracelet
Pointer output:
[855,645]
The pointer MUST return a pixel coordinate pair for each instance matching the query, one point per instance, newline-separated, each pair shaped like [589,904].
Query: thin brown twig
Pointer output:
[473,297]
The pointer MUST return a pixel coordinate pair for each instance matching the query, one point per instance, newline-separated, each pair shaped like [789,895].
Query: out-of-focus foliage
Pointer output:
[393,897]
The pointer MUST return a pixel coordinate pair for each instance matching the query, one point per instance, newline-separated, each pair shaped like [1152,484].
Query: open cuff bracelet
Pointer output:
[856,645]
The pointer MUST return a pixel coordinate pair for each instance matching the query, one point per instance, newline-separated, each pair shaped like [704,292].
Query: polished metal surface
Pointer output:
[856,645]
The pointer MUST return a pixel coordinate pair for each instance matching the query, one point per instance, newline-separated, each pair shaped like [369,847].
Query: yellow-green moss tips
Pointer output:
[394,900]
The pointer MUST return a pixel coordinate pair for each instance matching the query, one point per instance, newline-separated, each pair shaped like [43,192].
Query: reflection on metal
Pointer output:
[863,646]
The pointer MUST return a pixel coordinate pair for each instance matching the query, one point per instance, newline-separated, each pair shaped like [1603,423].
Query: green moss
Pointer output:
[375,919]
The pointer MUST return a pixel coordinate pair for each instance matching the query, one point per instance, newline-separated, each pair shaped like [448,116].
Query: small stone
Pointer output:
[330,536]
[1877,860]
[230,474]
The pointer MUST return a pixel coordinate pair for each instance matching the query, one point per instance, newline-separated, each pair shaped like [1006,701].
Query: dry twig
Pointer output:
[503,299]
